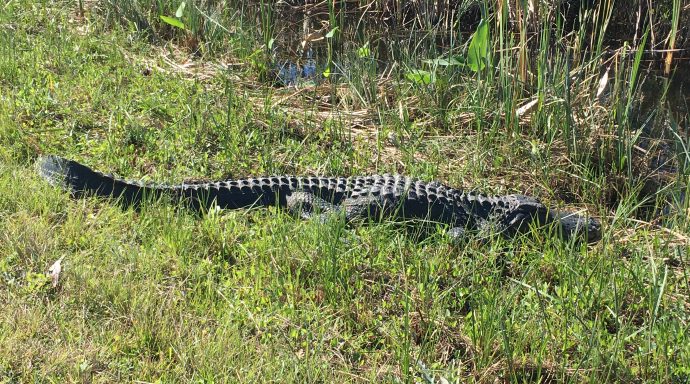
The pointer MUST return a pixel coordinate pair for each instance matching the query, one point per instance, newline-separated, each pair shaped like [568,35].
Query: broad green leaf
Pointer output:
[420,76]
[180,10]
[363,51]
[440,62]
[331,33]
[327,72]
[478,51]
[173,21]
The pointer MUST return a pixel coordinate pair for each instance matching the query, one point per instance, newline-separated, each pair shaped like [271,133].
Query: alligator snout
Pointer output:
[573,225]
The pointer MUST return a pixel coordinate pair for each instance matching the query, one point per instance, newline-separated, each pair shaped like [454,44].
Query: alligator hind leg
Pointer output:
[479,229]
[373,207]
[308,206]
[311,207]
[457,235]
[460,235]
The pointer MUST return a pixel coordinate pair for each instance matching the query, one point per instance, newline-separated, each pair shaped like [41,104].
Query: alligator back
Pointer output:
[413,197]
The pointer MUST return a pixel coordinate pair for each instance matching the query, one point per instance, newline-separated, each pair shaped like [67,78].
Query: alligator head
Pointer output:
[524,210]
[572,225]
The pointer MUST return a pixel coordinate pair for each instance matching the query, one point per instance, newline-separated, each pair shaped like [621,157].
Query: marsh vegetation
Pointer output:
[583,105]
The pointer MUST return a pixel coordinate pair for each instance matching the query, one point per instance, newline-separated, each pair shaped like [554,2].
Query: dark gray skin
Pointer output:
[357,197]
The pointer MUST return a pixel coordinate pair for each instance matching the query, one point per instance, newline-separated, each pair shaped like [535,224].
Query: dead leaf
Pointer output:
[602,83]
[527,107]
[54,271]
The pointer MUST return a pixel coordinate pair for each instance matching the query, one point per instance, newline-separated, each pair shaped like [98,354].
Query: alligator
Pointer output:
[357,197]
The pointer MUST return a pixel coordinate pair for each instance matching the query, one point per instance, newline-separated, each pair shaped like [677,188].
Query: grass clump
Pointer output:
[164,295]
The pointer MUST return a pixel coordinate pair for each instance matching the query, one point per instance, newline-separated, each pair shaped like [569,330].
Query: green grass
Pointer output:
[164,295]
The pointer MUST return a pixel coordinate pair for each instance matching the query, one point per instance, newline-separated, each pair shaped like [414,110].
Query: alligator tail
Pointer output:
[80,180]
